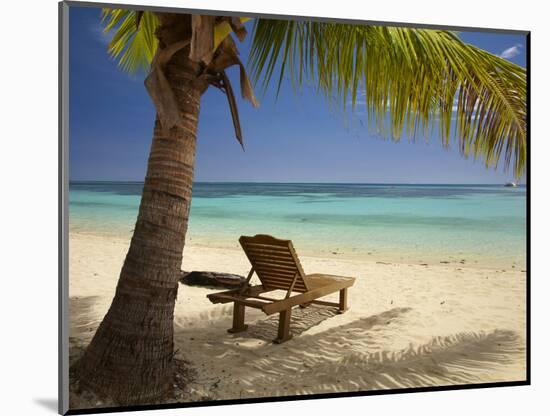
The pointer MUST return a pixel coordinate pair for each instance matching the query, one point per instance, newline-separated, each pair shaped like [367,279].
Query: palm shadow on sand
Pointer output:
[344,358]
[82,320]
[302,320]
[348,357]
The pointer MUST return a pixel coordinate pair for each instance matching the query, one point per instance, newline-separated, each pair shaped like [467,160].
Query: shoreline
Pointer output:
[459,260]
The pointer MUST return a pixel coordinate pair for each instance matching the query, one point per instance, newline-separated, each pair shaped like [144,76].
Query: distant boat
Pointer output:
[511,184]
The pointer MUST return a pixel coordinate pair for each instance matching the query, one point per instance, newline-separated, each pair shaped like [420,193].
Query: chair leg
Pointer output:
[284,327]
[343,304]
[238,319]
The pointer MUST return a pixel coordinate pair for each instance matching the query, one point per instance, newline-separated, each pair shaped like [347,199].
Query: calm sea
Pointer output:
[483,225]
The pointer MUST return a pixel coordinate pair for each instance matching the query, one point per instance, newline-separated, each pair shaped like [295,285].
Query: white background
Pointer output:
[28,229]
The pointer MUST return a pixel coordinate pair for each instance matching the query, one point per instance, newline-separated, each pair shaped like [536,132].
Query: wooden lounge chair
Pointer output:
[277,266]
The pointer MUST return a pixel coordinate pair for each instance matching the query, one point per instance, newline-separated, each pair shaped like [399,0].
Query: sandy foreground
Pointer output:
[409,325]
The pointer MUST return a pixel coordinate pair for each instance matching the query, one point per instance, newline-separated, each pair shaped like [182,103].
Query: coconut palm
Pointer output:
[412,80]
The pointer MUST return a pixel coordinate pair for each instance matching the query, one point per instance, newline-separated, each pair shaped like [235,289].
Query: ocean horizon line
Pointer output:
[301,183]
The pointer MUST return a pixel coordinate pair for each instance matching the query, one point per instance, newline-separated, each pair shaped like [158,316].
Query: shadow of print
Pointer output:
[49,404]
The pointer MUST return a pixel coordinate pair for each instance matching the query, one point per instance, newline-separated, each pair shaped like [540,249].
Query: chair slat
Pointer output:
[276,265]
[267,256]
[268,247]
[270,285]
[280,270]
[269,280]
[275,252]
[274,261]
[280,279]
[282,275]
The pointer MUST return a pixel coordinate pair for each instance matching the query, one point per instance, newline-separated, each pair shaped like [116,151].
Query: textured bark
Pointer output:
[130,359]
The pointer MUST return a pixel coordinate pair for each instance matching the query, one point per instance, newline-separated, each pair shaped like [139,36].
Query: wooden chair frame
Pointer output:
[302,290]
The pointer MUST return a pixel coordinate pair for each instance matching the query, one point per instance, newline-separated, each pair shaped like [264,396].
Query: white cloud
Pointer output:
[99,34]
[511,51]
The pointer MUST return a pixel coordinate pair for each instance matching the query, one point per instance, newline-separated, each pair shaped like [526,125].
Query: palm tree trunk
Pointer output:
[130,358]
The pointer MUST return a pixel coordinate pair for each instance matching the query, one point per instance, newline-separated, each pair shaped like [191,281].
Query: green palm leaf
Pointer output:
[412,79]
[416,78]
[134,42]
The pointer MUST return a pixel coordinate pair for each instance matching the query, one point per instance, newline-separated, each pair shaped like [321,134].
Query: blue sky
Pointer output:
[295,138]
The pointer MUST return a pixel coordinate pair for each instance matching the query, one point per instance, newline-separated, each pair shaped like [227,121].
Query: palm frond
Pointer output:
[134,42]
[416,78]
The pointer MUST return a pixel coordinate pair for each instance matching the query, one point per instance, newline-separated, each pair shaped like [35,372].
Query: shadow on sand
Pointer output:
[355,356]
[302,320]
[82,319]
[349,358]
[344,358]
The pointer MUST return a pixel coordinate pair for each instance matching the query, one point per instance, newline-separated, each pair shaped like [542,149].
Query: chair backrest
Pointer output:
[275,262]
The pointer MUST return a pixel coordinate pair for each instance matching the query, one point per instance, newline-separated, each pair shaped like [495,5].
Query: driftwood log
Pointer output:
[212,280]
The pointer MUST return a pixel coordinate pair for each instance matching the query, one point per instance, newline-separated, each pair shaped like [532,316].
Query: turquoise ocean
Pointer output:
[482,225]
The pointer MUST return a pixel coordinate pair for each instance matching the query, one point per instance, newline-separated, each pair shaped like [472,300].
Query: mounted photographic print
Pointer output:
[258,208]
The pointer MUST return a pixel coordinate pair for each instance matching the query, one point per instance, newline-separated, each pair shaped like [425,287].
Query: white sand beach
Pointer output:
[409,325]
